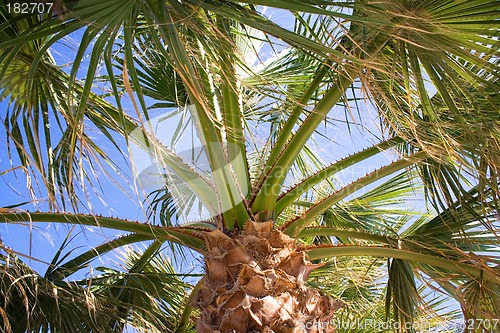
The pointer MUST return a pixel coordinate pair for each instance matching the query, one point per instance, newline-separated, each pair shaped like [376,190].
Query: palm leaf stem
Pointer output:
[231,202]
[121,123]
[188,309]
[336,232]
[265,200]
[146,256]
[75,264]
[295,226]
[291,122]
[231,108]
[295,192]
[188,236]
[388,252]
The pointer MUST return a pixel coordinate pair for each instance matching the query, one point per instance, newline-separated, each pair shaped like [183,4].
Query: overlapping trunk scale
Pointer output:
[254,282]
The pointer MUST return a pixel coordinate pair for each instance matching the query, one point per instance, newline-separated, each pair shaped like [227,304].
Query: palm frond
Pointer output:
[30,303]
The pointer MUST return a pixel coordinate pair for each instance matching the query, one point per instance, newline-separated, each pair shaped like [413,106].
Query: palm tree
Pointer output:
[285,244]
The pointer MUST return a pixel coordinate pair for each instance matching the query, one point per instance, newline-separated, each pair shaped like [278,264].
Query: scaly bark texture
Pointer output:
[254,282]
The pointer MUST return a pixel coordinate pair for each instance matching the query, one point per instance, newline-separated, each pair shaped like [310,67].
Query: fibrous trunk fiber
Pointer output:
[254,282]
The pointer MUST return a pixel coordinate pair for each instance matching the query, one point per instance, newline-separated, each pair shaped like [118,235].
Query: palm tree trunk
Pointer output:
[254,282]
